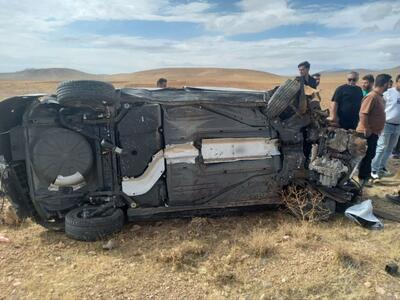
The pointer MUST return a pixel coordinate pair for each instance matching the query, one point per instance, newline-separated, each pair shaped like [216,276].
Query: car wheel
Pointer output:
[78,227]
[86,93]
[283,97]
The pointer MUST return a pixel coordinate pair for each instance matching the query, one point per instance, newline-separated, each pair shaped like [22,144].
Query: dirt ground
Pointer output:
[255,255]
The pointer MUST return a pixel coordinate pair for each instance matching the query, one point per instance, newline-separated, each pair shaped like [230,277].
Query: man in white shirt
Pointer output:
[390,135]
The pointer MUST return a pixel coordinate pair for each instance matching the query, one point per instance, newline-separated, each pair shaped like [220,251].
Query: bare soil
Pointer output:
[256,255]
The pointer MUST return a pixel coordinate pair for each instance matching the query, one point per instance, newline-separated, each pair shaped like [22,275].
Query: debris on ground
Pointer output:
[392,269]
[136,227]
[111,244]
[4,239]
[362,214]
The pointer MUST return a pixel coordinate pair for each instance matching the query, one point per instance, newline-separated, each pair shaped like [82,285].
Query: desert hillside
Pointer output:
[46,80]
[201,76]
[48,74]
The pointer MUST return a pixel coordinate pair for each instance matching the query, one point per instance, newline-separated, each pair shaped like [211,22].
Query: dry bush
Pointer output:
[305,204]
[261,243]
[185,254]
[7,213]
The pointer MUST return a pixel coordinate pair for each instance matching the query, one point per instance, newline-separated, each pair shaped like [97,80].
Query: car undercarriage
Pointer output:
[90,157]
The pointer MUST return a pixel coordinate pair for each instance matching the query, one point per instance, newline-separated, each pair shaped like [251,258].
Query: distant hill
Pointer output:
[176,76]
[336,72]
[200,77]
[48,74]
[343,72]
[393,71]
[201,73]
[197,75]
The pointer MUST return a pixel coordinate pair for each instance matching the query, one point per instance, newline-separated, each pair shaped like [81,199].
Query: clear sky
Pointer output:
[118,36]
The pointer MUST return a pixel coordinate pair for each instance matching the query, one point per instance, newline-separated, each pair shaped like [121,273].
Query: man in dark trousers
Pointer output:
[371,124]
[346,103]
[304,70]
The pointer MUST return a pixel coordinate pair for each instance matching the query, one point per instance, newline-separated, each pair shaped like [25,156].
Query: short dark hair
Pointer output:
[397,77]
[316,75]
[304,64]
[161,81]
[369,78]
[382,79]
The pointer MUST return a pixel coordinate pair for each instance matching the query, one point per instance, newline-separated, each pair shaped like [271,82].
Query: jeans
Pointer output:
[386,143]
[364,171]
[396,149]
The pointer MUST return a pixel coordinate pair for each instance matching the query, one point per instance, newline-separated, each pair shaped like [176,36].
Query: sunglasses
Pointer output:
[352,79]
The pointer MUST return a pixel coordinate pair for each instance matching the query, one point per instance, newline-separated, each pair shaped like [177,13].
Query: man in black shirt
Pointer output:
[346,103]
[304,70]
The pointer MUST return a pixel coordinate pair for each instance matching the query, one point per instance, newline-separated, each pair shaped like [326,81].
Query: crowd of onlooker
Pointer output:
[372,110]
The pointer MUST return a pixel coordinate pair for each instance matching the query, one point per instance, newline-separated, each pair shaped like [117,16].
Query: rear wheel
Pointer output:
[80,227]
[284,96]
[86,93]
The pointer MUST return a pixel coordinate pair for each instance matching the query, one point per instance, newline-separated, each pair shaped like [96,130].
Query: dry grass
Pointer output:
[187,253]
[261,243]
[348,259]
[258,253]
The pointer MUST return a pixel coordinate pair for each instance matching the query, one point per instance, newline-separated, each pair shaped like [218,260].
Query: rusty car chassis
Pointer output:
[91,157]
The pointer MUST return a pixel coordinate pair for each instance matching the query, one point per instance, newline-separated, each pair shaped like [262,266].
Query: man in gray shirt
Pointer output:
[390,135]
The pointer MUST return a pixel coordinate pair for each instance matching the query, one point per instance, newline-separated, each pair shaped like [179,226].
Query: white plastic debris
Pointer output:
[4,239]
[363,215]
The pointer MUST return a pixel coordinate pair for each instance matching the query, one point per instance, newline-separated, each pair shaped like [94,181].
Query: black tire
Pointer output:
[283,97]
[86,93]
[92,229]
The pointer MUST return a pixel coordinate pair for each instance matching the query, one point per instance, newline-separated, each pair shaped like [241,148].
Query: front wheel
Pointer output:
[80,227]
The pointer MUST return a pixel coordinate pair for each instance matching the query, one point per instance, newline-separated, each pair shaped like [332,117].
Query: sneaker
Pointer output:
[385,173]
[394,198]
[375,175]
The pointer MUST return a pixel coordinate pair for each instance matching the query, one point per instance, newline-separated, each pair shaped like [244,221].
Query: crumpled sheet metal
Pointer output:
[362,214]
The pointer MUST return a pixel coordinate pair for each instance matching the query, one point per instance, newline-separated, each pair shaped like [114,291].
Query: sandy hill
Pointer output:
[393,71]
[198,73]
[178,77]
[47,74]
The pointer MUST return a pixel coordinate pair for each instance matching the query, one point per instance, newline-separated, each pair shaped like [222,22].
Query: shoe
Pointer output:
[394,198]
[396,155]
[365,183]
[385,173]
[375,175]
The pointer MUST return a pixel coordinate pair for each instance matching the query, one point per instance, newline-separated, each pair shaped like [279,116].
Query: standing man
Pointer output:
[388,139]
[304,70]
[346,103]
[371,124]
[317,77]
[367,84]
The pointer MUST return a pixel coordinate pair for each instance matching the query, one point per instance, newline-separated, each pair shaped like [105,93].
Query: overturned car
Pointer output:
[91,157]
